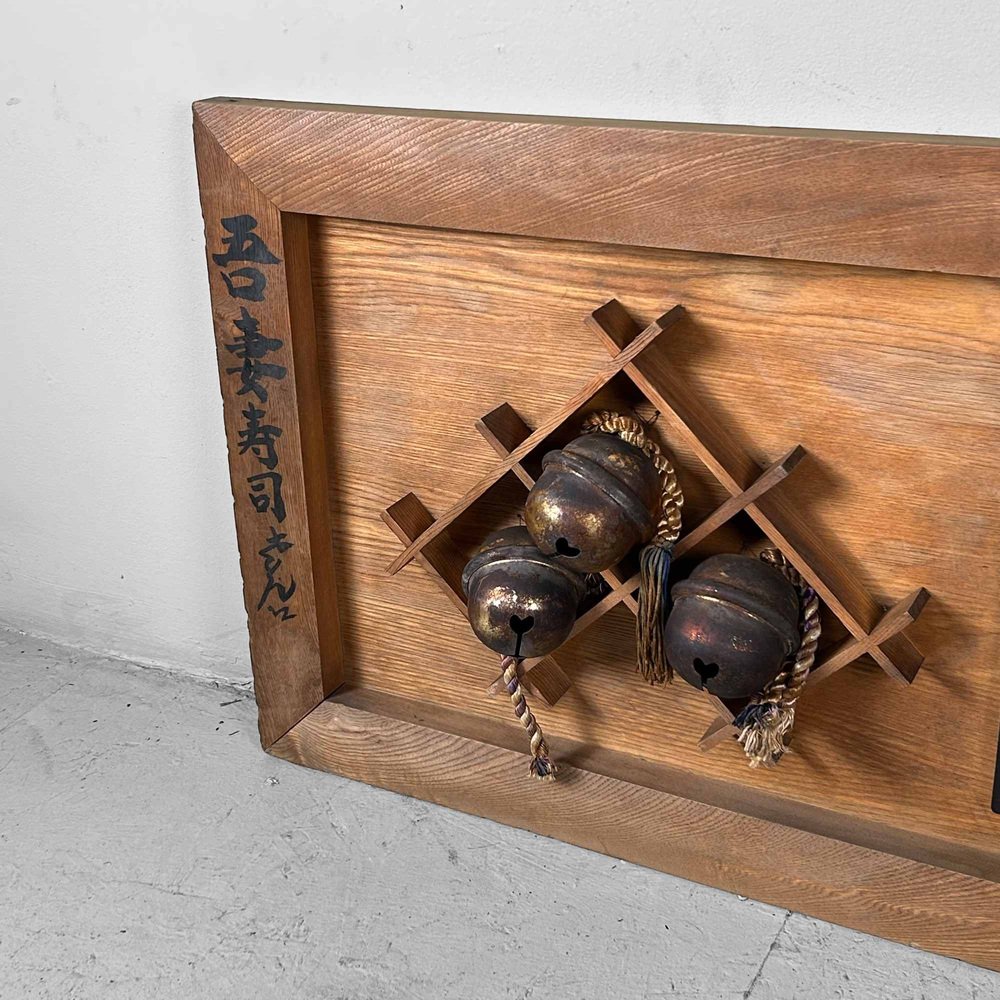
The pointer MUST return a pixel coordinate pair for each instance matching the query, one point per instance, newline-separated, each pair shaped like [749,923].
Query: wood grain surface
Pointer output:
[922,202]
[887,378]
[297,657]
[874,892]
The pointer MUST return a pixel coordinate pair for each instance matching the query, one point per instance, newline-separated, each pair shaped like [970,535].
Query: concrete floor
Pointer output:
[148,848]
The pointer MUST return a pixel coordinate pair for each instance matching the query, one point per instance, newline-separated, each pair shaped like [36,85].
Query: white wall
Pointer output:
[116,530]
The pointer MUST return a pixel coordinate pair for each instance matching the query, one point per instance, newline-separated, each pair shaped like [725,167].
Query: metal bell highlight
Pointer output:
[595,501]
[734,622]
[521,602]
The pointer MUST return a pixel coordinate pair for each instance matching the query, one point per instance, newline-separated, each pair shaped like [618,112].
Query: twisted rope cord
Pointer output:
[633,432]
[766,722]
[541,765]
[654,560]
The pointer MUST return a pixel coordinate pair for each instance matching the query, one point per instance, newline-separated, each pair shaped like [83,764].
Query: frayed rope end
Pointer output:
[543,768]
[763,730]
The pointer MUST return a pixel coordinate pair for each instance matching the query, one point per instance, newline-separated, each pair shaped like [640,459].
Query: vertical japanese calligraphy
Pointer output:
[255,366]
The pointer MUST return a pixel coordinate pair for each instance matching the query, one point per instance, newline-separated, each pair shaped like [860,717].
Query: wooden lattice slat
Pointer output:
[638,354]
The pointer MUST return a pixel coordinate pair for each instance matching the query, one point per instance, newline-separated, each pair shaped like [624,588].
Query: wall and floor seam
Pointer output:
[239,685]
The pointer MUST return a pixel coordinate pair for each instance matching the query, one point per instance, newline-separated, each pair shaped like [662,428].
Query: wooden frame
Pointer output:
[842,198]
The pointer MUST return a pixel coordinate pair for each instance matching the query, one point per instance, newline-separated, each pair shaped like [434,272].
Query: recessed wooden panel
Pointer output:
[886,377]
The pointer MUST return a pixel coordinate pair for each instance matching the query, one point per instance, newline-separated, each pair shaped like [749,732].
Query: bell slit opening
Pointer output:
[563,548]
[706,671]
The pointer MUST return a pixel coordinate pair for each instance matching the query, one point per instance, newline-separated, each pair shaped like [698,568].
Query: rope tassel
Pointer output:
[654,568]
[542,765]
[654,560]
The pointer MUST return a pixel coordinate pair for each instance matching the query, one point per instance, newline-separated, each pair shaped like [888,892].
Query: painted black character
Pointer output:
[276,545]
[251,347]
[265,494]
[253,290]
[259,438]
[243,244]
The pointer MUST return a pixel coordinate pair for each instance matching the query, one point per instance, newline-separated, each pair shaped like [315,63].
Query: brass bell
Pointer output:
[521,603]
[734,622]
[596,500]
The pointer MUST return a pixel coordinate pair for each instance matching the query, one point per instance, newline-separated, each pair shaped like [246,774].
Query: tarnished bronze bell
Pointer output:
[734,621]
[521,602]
[596,500]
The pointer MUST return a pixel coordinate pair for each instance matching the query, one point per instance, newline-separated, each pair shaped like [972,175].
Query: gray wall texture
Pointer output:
[118,530]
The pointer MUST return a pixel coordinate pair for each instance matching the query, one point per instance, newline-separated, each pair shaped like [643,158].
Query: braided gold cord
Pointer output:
[541,764]
[633,432]
[787,686]
[771,714]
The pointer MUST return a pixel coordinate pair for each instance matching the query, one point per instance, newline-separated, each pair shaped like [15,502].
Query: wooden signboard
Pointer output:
[409,306]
